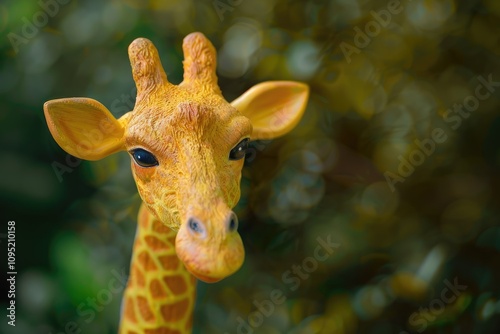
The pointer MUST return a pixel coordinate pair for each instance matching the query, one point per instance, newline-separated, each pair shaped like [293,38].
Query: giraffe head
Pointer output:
[187,145]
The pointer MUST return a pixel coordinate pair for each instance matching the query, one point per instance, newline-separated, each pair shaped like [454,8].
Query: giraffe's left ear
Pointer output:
[84,127]
[273,107]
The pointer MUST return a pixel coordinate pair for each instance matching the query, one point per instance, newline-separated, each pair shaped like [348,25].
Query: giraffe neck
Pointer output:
[159,298]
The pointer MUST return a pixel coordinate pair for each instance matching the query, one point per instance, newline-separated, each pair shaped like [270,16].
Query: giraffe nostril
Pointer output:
[196,226]
[233,222]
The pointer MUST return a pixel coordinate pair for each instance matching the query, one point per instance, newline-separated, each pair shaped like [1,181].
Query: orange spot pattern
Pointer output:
[169,262]
[160,228]
[138,276]
[155,244]
[156,289]
[146,261]
[129,310]
[174,312]
[144,309]
[176,284]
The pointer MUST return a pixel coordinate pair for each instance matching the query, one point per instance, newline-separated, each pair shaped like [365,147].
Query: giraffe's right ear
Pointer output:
[273,107]
[84,127]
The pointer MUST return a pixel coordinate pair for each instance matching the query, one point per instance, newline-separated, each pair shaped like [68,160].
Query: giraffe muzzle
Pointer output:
[209,253]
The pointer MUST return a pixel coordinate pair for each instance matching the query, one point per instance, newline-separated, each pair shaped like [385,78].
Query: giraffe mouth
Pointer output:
[202,275]
[206,270]
[207,279]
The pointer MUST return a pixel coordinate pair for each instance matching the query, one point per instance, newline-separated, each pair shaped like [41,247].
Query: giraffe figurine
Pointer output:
[187,146]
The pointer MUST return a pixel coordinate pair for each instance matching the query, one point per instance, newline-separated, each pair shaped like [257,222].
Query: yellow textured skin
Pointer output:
[190,129]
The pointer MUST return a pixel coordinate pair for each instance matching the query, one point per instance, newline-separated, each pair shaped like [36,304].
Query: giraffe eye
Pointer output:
[144,158]
[238,152]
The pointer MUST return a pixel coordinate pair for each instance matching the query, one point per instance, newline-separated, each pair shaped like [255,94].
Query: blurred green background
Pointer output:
[396,161]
